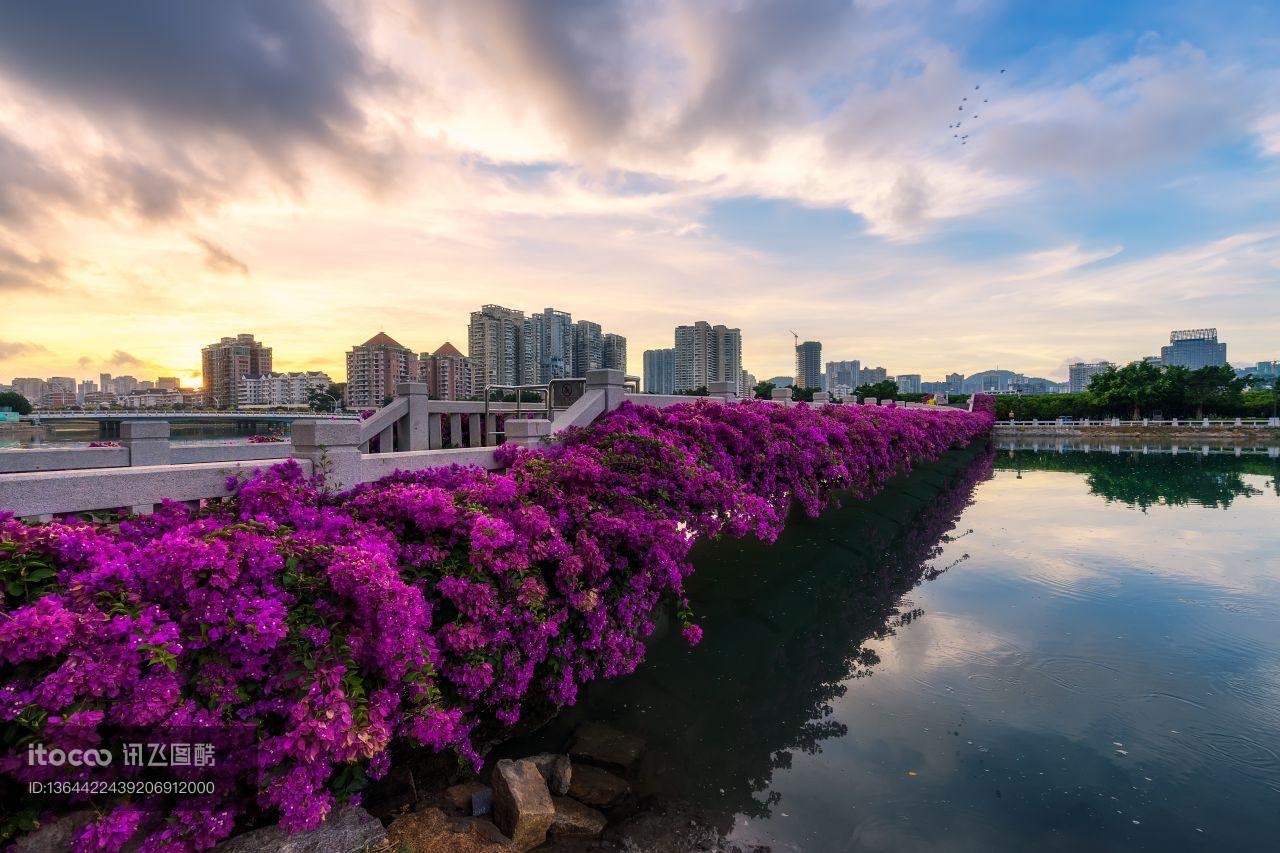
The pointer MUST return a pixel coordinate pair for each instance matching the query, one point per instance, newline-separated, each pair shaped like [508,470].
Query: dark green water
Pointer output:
[1027,650]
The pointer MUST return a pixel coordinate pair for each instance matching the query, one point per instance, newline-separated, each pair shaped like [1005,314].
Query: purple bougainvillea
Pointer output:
[413,608]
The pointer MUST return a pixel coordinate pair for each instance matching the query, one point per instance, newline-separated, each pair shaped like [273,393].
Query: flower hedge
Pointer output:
[414,608]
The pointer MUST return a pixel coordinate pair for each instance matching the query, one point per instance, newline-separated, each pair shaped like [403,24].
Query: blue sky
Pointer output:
[317,172]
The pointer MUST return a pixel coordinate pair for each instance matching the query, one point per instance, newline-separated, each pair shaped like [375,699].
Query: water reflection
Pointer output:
[792,621]
[1144,476]
[1077,675]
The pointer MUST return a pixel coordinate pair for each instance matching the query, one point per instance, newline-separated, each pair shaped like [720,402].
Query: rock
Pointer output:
[432,831]
[597,787]
[54,836]
[349,830]
[555,769]
[459,796]
[574,820]
[599,743]
[668,830]
[482,801]
[522,806]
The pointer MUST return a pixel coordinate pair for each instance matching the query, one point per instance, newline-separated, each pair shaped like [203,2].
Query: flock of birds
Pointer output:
[965,106]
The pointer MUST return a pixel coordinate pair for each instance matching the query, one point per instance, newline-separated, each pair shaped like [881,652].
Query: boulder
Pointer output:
[599,743]
[597,787]
[432,831]
[459,796]
[351,829]
[55,836]
[574,820]
[522,806]
[555,769]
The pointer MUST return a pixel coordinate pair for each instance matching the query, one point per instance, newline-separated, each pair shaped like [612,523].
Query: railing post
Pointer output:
[821,397]
[417,435]
[612,382]
[528,432]
[727,391]
[148,442]
[871,401]
[781,395]
[333,447]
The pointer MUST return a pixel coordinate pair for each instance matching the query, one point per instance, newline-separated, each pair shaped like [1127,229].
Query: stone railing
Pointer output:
[411,433]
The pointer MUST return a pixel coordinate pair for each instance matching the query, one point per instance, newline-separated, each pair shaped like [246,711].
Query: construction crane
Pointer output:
[797,337]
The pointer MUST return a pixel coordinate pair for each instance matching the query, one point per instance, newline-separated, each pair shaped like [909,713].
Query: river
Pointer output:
[1005,651]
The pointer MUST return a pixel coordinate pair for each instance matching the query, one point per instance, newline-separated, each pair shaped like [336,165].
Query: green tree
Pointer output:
[801,394]
[884,390]
[700,391]
[764,390]
[1216,389]
[17,402]
[328,400]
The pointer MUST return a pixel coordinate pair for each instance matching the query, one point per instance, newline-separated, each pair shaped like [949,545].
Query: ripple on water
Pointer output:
[1080,675]
[1239,750]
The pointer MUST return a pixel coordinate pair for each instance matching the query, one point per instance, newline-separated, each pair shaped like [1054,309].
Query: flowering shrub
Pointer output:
[263,439]
[105,444]
[413,608]
[984,404]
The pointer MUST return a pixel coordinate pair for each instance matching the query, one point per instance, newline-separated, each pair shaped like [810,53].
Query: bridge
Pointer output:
[413,432]
[109,420]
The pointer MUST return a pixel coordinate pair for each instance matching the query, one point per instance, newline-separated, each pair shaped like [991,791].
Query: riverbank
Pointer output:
[1189,433]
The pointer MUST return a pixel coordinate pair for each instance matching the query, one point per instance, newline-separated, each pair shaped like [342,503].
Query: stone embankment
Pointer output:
[580,800]
[1191,433]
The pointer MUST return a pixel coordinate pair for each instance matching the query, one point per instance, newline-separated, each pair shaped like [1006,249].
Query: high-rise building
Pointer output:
[809,365]
[222,365]
[1193,349]
[449,374]
[122,385]
[705,354]
[494,344]
[660,371]
[746,384]
[955,381]
[547,347]
[1082,372]
[104,383]
[909,383]
[375,367]
[872,375]
[31,387]
[85,388]
[613,352]
[843,374]
[588,347]
[168,383]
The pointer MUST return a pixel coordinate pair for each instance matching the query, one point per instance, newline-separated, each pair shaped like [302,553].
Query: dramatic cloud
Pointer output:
[272,74]
[763,163]
[219,259]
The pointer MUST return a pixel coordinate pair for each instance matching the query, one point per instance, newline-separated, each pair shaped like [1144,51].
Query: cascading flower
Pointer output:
[418,607]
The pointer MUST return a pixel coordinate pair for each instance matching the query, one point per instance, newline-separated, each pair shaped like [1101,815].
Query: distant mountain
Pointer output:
[782,381]
[1001,380]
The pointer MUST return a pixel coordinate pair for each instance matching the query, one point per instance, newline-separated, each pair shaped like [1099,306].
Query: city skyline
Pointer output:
[772,168]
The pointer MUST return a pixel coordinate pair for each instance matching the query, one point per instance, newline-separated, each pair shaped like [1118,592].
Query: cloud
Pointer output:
[84,361]
[18,349]
[27,183]
[120,358]
[270,73]
[19,272]
[219,259]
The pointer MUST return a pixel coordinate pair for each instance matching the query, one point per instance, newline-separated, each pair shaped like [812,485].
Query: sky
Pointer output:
[314,173]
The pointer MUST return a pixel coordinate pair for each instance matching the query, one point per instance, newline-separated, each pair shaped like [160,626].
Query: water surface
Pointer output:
[1027,650]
